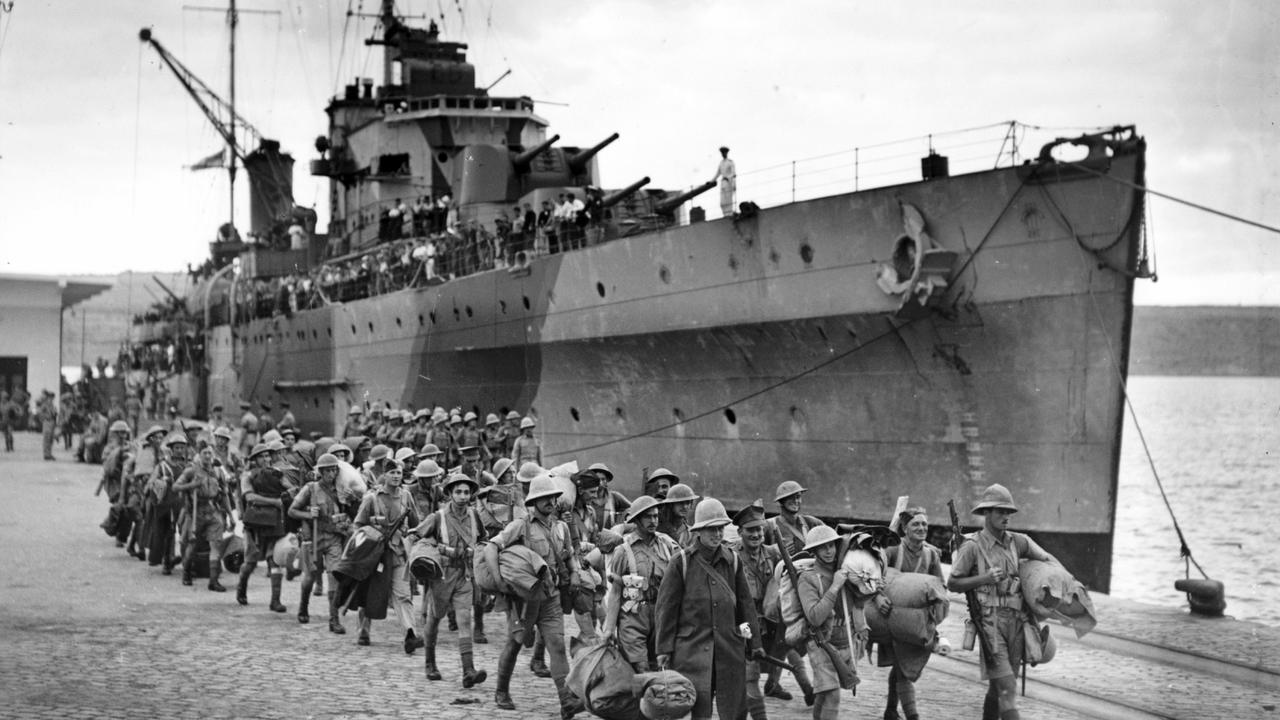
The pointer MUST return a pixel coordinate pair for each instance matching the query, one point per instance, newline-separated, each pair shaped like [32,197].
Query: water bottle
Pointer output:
[970,635]
[943,647]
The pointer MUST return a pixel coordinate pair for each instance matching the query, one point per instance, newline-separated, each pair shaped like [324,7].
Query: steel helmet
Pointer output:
[527,423]
[175,439]
[455,419]
[491,419]
[222,432]
[995,497]
[642,504]
[542,487]
[438,416]
[404,453]
[470,416]
[355,410]
[423,414]
[275,446]
[662,473]
[339,447]
[379,452]
[327,460]
[602,468]
[154,430]
[501,467]
[271,435]
[786,489]
[819,536]
[288,430]
[683,493]
[120,426]
[429,450]
[258,450]
[529,471]
[708,514]
[456,478]
[427,469]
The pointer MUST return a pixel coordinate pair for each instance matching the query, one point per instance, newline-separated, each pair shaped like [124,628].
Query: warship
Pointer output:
[925,338]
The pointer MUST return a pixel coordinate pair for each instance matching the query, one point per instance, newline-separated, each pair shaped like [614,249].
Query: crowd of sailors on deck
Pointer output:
[651,583]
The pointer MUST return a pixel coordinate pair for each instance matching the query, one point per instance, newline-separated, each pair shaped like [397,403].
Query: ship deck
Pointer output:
[92,633]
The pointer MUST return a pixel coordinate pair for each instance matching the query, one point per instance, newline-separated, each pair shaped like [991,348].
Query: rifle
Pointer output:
[843,671]
[971,596]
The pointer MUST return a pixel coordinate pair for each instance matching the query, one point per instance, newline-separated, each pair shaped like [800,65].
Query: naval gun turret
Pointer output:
[614,198]
[524,160]
[668,206]
[578,163]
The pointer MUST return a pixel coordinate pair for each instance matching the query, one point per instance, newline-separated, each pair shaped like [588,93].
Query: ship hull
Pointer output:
[741,353]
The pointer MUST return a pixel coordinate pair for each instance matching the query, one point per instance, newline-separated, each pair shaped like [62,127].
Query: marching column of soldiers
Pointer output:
[669,579]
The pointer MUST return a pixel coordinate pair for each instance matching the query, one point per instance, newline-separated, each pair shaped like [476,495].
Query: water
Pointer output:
[1216,444]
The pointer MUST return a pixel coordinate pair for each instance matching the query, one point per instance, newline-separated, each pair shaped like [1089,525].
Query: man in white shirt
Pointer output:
[727,175]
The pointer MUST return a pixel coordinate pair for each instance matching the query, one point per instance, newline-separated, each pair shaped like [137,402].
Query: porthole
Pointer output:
[503,305]
[806,253]
[432,315]
[600,289]
[457,315]
[420,321]
[573,412]
[353,329]
[371,328]
[621,415]
[526,302]
[731,416]
[469,313]
[679,415]
[398,323]
[664,274]
[329,331]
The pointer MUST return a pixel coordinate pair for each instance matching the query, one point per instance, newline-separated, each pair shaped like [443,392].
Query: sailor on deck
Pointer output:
[727,175]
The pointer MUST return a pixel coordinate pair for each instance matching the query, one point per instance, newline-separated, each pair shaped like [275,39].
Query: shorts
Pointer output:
[1004,627]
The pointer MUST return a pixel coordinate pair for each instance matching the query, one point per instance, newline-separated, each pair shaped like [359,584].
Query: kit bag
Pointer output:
[602,678]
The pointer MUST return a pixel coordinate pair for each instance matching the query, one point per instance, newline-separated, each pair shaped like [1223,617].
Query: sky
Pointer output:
[95,132]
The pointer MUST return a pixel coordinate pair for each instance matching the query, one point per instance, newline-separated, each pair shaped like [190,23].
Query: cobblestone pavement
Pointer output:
[89,632]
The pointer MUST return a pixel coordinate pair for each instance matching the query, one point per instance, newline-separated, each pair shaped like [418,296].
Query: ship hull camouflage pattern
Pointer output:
[746,351]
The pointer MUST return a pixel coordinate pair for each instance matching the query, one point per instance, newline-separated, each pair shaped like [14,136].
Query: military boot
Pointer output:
[470,676]
[304,605]
[477,635]
[538,663]
[506,665]
[319,585]
[570,704]
[215,569]
[335,625]
[433,672]
[276,605]
[242,587]
[990,707]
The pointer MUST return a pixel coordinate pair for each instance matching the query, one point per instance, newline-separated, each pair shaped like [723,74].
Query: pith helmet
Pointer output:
[491,419]
[529,471]
[379,452]
[455,419]
[423,414]
[327,460]
[258,449]
[355,410]
[404,453]
[271,435]
[819,536]
[709,514]
[683,493]
[995,497]
[289,430]
[642,504]
[429,450]
[456,478]
[428,469]
[527,423]
[786,489]
[501,467]
[542,487]
[120,426]
[750,515]
[175,439]
[154,430]
[222,432]
[470,450]
[470,416]
[438,416]
[602,468]
[513,415]
[662,473]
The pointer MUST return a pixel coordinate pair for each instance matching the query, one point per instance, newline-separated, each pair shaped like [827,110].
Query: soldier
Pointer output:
[987,563]
[455,529]
[441,437]
[611,505]
[584,529]
[376,466]
[423,490]
[510,431]
[165,504]
[248,428]
[265,421]
[216,419]
[287,420]
[659,483]
[113,461]
[264,489]
[232,462]
[390,431]
[327,524]
[421,431]
[673,514]
[542,533]
[473,466]
[789,525]
[633,575]
[704,612]
[820,590]
[354,420]
[471,436]
[137,471]
[492,437]
[390,509]
[209,516]
[47,413]
[915,554]
[526,448]
[503,501]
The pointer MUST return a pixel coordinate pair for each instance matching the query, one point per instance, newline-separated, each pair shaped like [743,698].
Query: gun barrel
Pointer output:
[524,159]
[614,198]
[671,203]
[578,163]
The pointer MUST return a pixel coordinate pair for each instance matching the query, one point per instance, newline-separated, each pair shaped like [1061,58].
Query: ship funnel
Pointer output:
[614,198]
[270,186]
[578,163]
[525,159]
[670,204]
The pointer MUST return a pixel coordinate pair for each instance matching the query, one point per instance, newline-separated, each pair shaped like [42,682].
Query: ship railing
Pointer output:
[893,163]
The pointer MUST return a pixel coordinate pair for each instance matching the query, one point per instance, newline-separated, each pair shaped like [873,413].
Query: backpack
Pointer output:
[794,621]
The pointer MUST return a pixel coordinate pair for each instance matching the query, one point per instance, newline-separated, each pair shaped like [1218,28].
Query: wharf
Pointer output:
[89,632]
